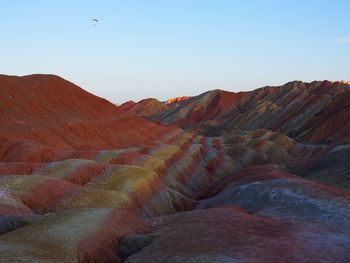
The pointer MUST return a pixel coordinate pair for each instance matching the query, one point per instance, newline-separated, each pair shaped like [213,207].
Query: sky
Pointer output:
[171,48]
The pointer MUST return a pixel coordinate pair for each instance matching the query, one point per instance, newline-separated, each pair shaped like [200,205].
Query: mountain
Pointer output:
[297,123]
[77,172]
[259,176]
[127,105]
[145,108]
[317,111]
[45,114]
[177,100]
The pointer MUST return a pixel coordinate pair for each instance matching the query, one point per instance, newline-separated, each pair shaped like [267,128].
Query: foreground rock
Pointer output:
[229,234]
[259,214]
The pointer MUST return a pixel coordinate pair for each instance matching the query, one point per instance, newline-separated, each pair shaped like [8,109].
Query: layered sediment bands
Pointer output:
[145,108]
[82,180]
[78,173]
[332,123]
[267,190]
[331,168]
[296,126]
[43,115]
[258,214]
[64,194]
[266,210]
[79,235]
[316,111]
[230,234]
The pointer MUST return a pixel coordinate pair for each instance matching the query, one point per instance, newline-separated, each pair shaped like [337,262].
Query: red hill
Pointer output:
[82,180]
[317,111]
[45,113]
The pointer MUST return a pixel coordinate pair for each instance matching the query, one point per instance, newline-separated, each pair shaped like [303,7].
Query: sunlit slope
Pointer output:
[301,127]
[44,114]
[77,172]
[316,111]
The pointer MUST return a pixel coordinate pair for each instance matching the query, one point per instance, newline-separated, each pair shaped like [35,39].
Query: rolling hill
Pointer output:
[259,176]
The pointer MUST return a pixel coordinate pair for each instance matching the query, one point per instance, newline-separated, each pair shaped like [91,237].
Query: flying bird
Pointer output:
[95,20]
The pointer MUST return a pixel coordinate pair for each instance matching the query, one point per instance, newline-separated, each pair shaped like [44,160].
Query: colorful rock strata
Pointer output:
[220,177]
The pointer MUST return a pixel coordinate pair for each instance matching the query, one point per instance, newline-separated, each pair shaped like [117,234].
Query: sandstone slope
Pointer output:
[82,180]
[77,172]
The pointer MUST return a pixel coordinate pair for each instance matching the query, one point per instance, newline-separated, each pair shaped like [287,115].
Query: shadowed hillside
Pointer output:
[220,177]
[316,112]
[299,126]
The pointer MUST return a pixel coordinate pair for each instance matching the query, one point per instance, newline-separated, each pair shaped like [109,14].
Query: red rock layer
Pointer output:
[127,105]
[77,172]
[81,180]
[296,108]
[44,114]
[145,108]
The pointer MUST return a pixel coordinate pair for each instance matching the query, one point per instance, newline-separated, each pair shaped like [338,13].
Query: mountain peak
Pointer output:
[177,100]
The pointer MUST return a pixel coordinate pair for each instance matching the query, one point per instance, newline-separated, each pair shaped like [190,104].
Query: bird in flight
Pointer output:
[95,20]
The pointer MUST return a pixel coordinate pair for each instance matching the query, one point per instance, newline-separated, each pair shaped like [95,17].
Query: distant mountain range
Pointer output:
[317,111]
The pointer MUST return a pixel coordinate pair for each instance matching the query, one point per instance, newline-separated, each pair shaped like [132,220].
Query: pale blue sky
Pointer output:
[168,48]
